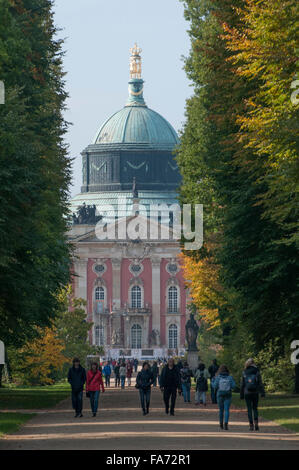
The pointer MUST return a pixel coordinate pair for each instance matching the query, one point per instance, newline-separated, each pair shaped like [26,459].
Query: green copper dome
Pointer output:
[134,143]
[136,123]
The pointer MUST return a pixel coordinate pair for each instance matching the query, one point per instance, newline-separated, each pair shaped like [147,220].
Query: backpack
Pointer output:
[251,382]
[201,383]
[224,384]
[184,376]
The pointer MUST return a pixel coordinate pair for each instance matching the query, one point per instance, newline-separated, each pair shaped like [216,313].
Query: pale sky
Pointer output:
[99,34]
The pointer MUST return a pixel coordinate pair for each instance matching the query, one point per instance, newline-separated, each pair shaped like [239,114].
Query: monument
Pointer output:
[192,329]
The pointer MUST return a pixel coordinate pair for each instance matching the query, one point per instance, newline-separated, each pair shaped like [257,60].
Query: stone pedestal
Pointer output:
[192,359]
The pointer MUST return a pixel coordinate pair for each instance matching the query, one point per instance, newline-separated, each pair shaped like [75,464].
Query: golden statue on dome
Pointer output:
[135,62]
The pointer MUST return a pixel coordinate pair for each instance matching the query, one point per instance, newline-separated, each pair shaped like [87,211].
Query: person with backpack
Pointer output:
[94,383]
[170,382]
[77,378]
[201,377]
[224,385]
[144,381]
[213,369]
[251,387]
[186,374]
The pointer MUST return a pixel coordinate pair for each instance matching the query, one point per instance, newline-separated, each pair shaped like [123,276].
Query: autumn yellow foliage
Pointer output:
[41,357]
[202,281]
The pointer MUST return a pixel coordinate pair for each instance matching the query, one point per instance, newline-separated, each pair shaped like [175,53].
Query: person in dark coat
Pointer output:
[144,381]
[116,375]
[77,378]
[213,369]
[186,374]
[251,387]
[169,384]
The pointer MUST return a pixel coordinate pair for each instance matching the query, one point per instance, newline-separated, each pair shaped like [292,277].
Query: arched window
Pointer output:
[173,337]
[100,293]
[172,299]
[136,335]
[99,336]
[136,297]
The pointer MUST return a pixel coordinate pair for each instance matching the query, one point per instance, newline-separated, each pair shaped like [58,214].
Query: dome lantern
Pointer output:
[136,82]
[135,142]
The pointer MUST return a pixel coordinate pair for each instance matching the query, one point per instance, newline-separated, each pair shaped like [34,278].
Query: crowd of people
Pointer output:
[172,378]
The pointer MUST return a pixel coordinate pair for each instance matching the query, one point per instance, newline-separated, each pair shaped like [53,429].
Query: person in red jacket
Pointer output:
[94,383]
[129,372]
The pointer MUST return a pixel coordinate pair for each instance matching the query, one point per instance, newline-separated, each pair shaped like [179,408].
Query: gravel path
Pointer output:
[120,425]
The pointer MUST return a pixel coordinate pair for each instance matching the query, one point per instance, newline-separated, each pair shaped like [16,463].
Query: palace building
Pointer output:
[133,286]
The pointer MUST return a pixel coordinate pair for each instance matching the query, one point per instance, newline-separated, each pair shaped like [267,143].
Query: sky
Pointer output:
[98,35]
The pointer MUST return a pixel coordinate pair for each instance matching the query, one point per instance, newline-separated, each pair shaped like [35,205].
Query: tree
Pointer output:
[256,274]
[39,359]
[34,170]
[265,49]
[73,329]
[205,289]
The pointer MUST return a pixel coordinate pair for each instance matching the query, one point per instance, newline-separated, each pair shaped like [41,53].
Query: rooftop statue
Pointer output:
[86,215]
[135,62]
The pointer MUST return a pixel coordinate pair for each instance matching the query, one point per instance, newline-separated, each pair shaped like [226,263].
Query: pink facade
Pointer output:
[154,308]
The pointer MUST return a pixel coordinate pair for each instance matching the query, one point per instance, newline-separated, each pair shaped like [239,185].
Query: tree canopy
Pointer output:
[34,169]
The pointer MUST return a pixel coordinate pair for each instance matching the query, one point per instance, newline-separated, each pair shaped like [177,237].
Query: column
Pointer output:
[81,282]
[116,283]
[81,272]
[156,294]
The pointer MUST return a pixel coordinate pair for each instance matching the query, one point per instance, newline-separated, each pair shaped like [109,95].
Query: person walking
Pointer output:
[135,364]
[186,374]
[201,378]
[155,372]
[94,383]
[77,378]
[169,384]
[107,374]
[116,375]
[251,387]
[224,385]
[213,369]
[144,381]
[129,373]
[161,366]
[122,374]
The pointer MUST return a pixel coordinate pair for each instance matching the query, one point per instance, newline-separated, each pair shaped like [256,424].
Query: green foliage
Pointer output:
[208,343]
[73,329]
[256,254]
[34,170]
[276,367]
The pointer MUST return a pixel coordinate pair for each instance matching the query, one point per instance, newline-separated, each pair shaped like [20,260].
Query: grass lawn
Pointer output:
[33,398]
[10,422]
[281,408]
